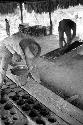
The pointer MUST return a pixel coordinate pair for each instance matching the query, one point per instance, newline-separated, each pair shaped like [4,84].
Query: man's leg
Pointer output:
[61,39]
[68,33]
[34,71]
[8,31]
[74,31]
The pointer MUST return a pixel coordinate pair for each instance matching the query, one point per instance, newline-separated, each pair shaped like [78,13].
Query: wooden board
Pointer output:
[57,52]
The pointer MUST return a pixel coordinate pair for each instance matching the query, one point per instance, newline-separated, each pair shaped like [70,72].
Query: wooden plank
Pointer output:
[21,12]
[59,106]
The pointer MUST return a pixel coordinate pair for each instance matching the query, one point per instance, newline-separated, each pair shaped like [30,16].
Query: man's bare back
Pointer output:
[66,25]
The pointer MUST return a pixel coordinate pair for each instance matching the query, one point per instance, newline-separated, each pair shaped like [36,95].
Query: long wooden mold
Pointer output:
[69,113]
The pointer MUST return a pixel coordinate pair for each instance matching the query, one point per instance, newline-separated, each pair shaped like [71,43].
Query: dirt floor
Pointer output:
[48,43]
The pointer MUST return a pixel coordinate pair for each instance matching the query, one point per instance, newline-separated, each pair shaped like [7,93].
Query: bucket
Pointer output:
[21,72]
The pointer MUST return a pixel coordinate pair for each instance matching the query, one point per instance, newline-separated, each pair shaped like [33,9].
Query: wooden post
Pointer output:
[21,12]
[49,7]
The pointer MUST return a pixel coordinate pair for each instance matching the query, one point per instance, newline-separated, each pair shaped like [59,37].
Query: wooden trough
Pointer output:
[61,81]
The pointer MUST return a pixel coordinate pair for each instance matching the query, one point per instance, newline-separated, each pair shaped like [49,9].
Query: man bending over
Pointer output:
[65,26]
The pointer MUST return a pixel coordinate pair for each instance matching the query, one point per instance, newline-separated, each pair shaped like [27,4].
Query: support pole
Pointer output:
[49,8]
[21,12]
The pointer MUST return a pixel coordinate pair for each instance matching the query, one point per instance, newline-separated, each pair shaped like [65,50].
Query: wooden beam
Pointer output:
[21,12]
[49,9]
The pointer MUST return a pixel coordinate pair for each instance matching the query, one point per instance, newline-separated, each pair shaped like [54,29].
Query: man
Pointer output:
[65,26]
[19,47]
[7,27]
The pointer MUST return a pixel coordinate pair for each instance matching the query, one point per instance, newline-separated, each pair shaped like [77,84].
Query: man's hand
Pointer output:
[17,58]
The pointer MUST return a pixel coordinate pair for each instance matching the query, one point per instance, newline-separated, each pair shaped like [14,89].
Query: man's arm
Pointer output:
[6,59]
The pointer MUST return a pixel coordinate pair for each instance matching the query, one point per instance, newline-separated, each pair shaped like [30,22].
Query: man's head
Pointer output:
[16,58]
[30,48]
[6,20]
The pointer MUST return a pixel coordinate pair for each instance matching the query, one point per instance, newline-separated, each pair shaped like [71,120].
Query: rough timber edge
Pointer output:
[69,113]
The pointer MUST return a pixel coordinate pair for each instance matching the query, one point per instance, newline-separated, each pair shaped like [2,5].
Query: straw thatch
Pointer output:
[43,6]
[38,6]
[7,7]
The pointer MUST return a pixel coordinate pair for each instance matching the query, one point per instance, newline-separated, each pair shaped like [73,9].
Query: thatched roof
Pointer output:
[43,5]
[38,6]
[7,7]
